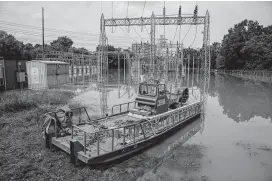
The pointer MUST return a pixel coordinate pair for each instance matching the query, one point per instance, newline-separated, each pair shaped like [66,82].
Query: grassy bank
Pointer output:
[23,155]
[22,152]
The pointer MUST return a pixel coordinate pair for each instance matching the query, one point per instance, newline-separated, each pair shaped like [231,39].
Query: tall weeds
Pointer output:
[14,101]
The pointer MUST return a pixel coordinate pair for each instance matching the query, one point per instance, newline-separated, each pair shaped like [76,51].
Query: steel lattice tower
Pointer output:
[205,66]
[102,77]
[153,21]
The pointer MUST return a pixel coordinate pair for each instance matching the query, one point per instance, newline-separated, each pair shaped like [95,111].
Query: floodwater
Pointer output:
[233,143]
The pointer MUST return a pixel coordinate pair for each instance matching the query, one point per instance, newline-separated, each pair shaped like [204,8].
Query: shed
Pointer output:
[12,74]
[46,74]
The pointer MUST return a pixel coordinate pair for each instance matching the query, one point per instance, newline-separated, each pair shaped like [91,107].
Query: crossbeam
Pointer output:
[158,21]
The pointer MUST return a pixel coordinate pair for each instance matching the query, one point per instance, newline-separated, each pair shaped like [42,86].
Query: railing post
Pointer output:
[124,138]
[79,116]
[134,127]
[112,143]
[97,143]
[84,139]
[72,132]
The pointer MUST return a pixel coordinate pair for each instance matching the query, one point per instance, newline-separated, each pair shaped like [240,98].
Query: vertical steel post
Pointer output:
[98,149]
[112,142]
[152,44]
[118,56]
[124,136]
[84,139]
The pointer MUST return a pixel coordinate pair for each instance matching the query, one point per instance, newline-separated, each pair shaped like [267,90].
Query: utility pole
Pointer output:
[43,32]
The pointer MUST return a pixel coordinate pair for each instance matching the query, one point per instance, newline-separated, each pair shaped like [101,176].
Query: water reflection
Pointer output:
[158,156]
[240,99]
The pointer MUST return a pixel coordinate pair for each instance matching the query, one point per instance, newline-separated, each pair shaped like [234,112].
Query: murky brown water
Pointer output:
[235,142]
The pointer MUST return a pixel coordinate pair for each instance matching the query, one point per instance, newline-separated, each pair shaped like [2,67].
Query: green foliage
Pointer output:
[9,46]
[113,58]
[247,46]
[62,44]
[12,48]
[13,101]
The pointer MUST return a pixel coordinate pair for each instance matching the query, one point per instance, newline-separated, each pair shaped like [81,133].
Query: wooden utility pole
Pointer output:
[43,32]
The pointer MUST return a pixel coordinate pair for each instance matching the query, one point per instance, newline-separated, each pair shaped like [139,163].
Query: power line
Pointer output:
[53,30]
[34,36]
[187,32]
[50,29]
[175,33]
[137,33]
[147,32]
[194,38]
[143,9]
[127,8]
[126,33]
[59,34]
[26,32]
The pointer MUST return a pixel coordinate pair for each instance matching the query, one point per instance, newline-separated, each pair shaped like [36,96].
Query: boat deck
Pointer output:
[90,141]
[106,142]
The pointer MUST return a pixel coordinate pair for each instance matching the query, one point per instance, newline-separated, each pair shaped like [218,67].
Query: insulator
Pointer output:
[179,11]
[196,10]
[163,11]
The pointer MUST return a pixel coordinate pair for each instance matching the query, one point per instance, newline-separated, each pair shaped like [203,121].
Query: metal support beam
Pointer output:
[142,21]
[206,67]
[102,66]
[152,44]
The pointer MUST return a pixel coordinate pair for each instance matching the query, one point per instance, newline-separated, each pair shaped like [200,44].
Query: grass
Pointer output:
[23,155]
[14,101]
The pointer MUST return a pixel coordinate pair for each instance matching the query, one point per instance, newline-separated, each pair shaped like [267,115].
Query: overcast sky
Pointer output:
[84,17]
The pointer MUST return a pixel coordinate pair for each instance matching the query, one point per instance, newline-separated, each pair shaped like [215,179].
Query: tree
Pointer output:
[247,46]
[214,53]
[219,62]
[258,50]
[63,44]
[28,51]
[9,46]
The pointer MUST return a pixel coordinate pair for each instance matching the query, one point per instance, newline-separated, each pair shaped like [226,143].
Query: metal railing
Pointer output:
[127,106]
[78,116]
[259,75]
[129,134]
[81,116]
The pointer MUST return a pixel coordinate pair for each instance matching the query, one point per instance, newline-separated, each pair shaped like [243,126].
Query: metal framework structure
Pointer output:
[153,21]
[102,65]
[164,20]
[205,65]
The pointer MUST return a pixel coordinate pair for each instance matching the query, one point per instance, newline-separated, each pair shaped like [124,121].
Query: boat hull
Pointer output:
[129,151]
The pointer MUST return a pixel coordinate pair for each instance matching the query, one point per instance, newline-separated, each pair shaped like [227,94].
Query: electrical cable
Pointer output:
[55,36]
[127,9]
[53,30]
[186,33]
[59,33]
[194,38]
[175,34]
[143,9]
[126,33]
[137,33]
